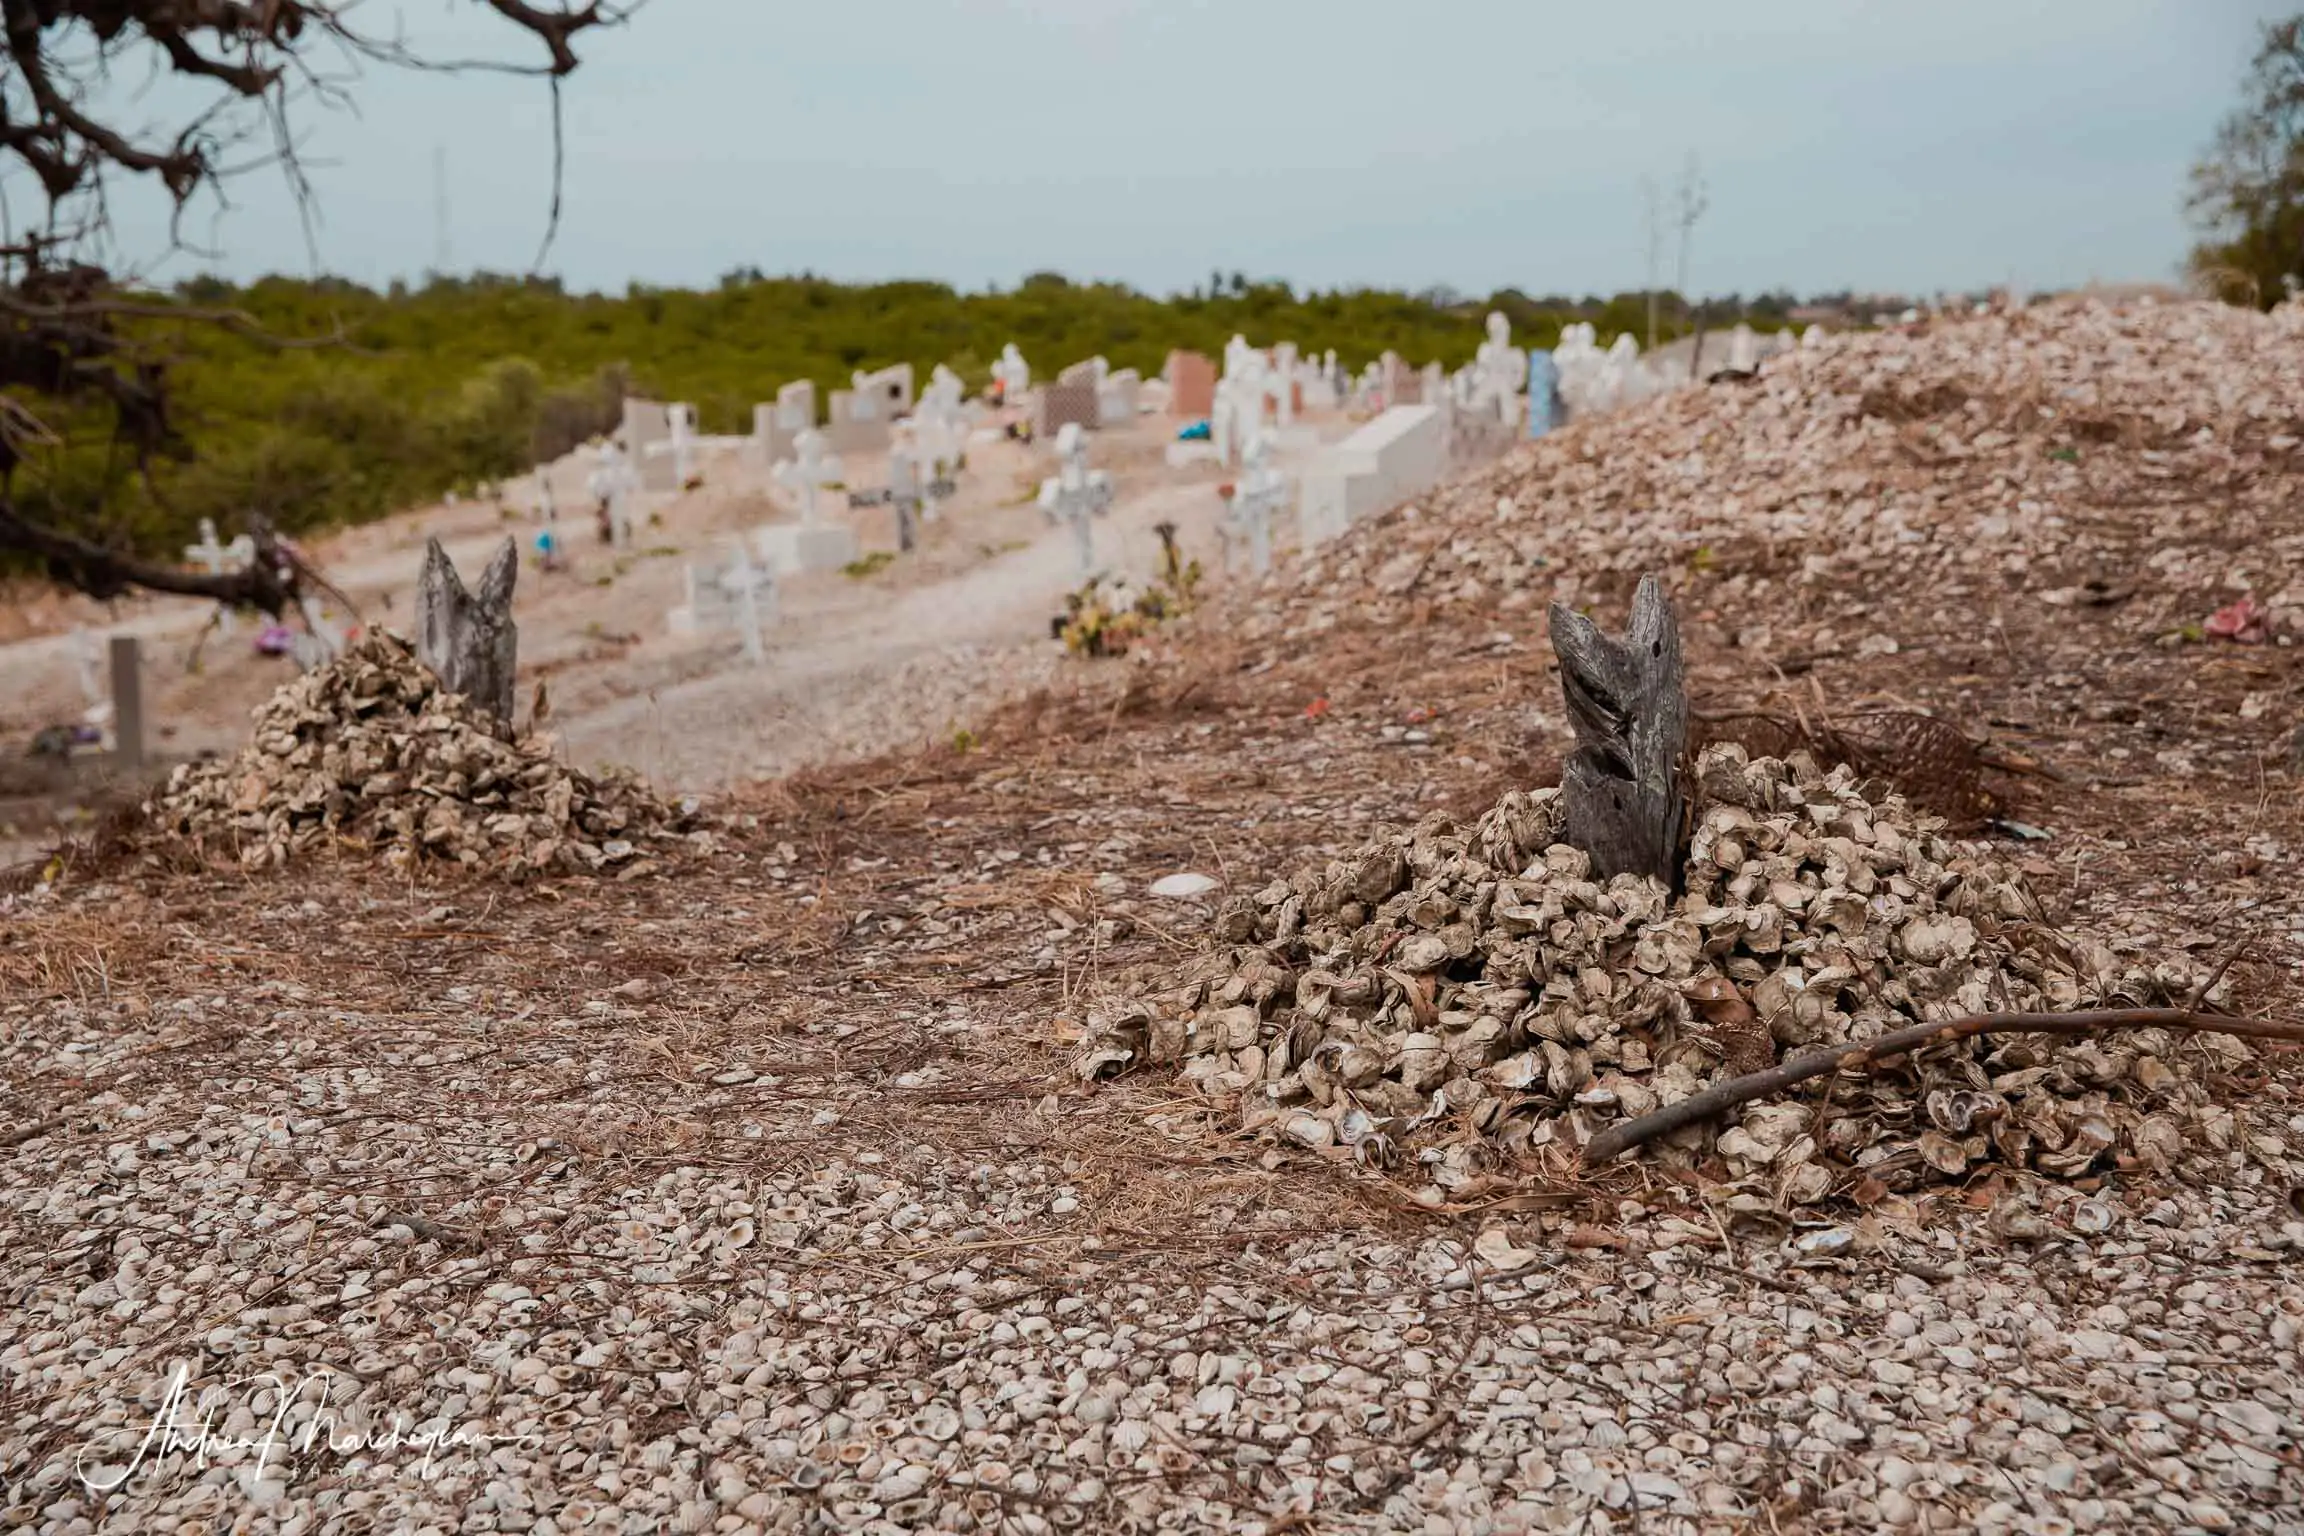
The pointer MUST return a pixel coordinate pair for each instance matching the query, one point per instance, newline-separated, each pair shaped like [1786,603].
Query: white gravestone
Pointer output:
[812,545]
[1014,374]
[216,559]
[1402,453]
[1076,493]
[1743,349]
[738,598]
[1256,500]
[615,483]
[1500,369]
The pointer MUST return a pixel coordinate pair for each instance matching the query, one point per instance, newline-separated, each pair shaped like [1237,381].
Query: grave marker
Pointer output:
[127,703]
[739,597]
[813,545]
[1012,374]
[1191,386]
[216,559]
[1076,493]
[1543,393]
[1259,496]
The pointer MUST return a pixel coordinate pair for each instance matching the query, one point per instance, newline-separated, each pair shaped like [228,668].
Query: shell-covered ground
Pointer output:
[757,1191]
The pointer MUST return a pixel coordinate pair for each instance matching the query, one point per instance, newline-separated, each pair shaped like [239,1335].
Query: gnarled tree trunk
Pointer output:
[469,637]
[1628,702]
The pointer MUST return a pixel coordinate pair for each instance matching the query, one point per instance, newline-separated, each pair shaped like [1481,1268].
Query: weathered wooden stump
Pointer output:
[468,638]
[1628,702]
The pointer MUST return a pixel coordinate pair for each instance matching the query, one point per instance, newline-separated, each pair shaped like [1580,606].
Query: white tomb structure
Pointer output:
[1260,495]
[809,545]
[1076,493]
[1014,375]
[739,597]
[1500,370]
[1400,454]
[1117,397]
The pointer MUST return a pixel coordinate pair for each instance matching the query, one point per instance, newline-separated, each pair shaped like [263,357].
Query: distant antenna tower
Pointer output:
[440,210]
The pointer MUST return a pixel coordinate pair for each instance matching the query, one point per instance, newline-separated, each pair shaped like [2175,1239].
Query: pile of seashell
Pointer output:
[371,752]
[1469,997]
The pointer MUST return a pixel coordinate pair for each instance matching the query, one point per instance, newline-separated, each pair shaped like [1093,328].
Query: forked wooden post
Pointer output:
[468,638]
[1628,702]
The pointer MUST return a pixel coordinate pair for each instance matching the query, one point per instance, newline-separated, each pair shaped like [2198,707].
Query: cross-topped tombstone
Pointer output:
[1075,493]
[1014,375]
[739,596]
[216,559]
[814,469]
[1500,368]
[613,484]
[1543,393]
[1259,496]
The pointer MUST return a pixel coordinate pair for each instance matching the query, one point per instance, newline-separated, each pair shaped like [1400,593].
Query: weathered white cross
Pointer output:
[1261,492]
[216,559]
[1075,493]
[811,471]
[739,596]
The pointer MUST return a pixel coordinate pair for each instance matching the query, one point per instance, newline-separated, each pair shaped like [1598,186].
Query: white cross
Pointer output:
[216,559]
[1014,374]
[615,482]
[811,472]
[1260,494]
[1075,493]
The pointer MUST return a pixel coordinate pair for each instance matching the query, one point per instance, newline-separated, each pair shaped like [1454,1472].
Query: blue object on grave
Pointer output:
[1195,433]
[1543,393]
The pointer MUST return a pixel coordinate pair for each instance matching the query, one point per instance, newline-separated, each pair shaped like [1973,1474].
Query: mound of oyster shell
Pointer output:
[371,752]
[1470,996]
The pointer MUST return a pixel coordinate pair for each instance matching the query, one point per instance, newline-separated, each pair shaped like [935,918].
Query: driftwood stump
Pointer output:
[1628,702]
[468,638]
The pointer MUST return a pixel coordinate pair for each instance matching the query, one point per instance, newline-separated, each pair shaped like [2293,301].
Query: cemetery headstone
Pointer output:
[1012,374]
[1543,393]
[1500,368]
[1261,493]
[890,388]
[858,422]
[1076,493]
[1063,405]
[1191,386]
[647,423]
[217,559]
[737,598]
[813,545]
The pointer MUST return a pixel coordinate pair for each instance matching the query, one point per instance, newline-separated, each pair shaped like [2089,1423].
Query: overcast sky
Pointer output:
[1474,143]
